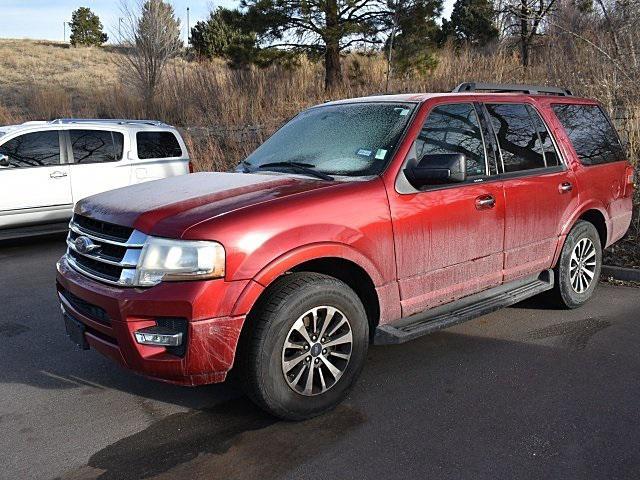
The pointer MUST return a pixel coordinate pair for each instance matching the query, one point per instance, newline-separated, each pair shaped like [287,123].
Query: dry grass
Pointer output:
[227,112]
[224,114]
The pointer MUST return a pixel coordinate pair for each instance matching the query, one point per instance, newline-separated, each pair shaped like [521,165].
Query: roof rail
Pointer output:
[506,87]
[119,121]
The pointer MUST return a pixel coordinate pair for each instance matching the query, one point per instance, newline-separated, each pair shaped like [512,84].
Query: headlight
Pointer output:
[164,260]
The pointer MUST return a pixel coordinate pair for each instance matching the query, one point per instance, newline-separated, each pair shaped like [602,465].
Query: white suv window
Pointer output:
[157,145]
[36,149]
[96,146]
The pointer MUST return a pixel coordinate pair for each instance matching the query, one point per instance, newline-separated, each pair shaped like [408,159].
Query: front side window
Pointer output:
[32,150]
[517,136]
[96,146]
[354,139]
[454,128]
[157,145]
[592,135]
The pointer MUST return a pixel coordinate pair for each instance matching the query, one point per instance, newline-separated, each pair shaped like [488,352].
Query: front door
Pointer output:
[34,181]
[449,238]
[539,190]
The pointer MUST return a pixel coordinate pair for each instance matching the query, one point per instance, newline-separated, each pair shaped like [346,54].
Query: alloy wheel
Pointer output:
[317,350]
[582,265]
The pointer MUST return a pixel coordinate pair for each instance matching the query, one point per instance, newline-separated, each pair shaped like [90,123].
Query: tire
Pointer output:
[576,281]
[285,314]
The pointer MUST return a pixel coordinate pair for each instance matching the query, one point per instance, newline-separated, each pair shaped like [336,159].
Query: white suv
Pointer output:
[45,167]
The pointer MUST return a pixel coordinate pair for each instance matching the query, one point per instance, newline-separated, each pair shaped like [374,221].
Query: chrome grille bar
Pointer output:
[120,262]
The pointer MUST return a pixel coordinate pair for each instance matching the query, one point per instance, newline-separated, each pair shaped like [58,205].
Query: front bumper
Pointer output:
[111,315]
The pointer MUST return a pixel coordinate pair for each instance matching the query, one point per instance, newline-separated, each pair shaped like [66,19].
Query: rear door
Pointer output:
[160,154]
[34,181]
[448,238]
[98,160]
[539,189]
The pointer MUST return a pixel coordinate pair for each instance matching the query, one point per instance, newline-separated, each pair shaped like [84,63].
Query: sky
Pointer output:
[44,19]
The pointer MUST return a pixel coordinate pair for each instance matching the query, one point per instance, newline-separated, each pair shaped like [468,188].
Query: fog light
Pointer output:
[159,336]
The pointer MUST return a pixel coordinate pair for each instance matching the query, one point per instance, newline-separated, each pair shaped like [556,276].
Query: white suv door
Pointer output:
[34,180]
[97,160]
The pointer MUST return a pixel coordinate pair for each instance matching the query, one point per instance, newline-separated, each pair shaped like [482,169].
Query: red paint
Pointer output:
[419,249]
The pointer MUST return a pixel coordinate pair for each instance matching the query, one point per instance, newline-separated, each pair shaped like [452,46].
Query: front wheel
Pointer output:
[578,269]
[306,346]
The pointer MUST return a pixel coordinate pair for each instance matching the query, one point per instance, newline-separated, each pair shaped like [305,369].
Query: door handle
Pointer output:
[565,187]
[57,174]
[485,202]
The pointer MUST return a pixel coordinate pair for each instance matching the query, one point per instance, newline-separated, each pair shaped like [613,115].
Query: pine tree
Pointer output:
[86,28]
[472,22]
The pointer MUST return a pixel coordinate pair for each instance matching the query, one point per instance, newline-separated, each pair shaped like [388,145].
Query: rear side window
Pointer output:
[33,149]
[520,144]
[454,128]
[96,146]
[157,145]
[592,135]
[544,145]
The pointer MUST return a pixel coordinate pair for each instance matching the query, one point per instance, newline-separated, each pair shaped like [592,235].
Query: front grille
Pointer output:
[103,229]
[104,251]
[90,310]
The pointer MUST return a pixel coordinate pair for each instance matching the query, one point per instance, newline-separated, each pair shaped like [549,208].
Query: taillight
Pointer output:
[190,166]
[630,179]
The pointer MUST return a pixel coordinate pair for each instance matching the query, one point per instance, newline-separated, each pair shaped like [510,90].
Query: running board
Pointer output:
[463,310]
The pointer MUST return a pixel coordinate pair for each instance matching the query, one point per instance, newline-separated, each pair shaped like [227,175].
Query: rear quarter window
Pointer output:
[591,133]
[157,145]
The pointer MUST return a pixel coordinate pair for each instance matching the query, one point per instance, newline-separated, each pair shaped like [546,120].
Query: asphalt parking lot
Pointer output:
[523,393]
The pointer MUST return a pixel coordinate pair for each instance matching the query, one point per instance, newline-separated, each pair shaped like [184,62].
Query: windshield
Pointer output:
[353,139]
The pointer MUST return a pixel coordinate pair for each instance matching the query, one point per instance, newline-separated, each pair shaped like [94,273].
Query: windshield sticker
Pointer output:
[404,111]
[381,153]
[364,152]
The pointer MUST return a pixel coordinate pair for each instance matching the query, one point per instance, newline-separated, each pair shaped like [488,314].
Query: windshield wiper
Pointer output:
[306,168]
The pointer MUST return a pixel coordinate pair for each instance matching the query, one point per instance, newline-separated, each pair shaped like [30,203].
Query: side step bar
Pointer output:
[462,310]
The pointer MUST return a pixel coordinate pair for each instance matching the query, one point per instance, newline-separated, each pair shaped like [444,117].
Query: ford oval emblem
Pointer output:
[84,244]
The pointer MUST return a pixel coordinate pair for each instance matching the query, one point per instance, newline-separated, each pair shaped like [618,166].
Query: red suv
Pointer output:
[371,220]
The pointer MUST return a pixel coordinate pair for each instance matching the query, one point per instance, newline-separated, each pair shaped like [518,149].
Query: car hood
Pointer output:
[170,206]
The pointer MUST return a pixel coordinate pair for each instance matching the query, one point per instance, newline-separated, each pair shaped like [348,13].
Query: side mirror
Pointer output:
[4,161]
[437,169]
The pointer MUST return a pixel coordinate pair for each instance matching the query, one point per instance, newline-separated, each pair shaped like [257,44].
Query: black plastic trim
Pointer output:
[463,310]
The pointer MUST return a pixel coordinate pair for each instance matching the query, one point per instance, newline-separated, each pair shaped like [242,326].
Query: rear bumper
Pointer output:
[111,316]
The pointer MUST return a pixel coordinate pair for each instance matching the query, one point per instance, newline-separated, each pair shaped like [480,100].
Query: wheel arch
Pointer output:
[592,213]
[335,260]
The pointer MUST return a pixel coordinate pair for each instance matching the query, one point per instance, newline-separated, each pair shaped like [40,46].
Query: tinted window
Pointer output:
[33,149]
[517,137]
[544,145]
[96,146]
[592,135]
[454,129]
[158,145]
[345,139]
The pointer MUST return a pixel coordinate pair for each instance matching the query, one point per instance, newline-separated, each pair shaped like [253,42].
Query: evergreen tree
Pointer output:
[224,35]
[417,34]
[86,28]
[319,27]
[472,22]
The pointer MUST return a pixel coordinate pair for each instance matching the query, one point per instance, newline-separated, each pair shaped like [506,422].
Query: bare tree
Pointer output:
[150,37]
[524,19]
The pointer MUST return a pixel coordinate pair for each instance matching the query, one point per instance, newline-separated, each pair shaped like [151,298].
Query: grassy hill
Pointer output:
[40,78]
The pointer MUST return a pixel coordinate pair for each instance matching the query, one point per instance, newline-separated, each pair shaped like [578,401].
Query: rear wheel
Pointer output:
[306,346]
[578,269]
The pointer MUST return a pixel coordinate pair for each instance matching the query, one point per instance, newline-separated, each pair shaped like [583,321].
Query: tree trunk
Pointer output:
[333,69]
[524,34]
